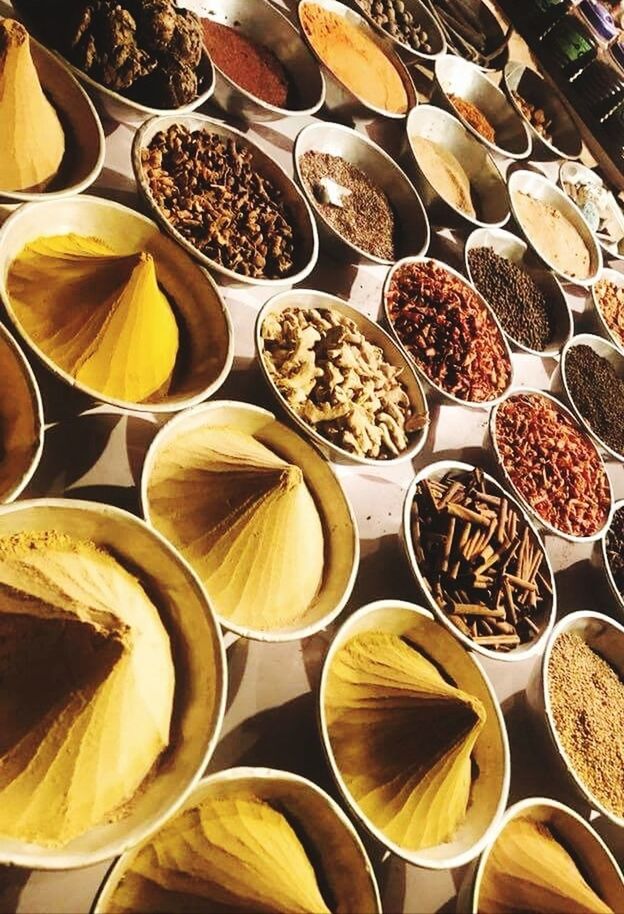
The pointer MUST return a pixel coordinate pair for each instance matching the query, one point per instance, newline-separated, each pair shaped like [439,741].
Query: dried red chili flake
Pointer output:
[448,331]
[553,464]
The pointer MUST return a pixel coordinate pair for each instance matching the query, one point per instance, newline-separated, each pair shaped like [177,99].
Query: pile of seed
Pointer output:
[520,305]
[598,394]
[395,19]
[587,698]
[615,549]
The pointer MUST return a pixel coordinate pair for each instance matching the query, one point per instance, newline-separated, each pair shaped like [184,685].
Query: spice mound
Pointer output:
[402,737]
[33,140]
[587,701]
[536,117]
[553,464]
[599,206]
[519,304]
[615,549]
[448,331]
[210,192]
[529,870]
[18,422]
[399,22]
[482,563]
[228,853]
[100,316]
[338,382]
[553,236]
[246,522]
[610,299]
[88,687]
[474,116]
[354,58]
[443,170]
[352,204]
[598,393]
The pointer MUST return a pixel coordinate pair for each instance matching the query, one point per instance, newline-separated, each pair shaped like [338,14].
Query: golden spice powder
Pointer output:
[18,429]
[446,174]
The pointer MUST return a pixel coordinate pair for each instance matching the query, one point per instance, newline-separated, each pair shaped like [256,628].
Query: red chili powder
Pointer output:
[248,64]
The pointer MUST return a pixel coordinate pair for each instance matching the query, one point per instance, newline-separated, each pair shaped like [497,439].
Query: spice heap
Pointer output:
[553,464]
[18,431]
[100,316]
[610,300]
[536,117]
[553,236]
[250,65]
[339,382]
[354,57]
[88,687]
[208,189]
[402,738]
[587,701]
[245,520]
[229,853]
[529,870]
[445,173]
[598,393]
[448,331]
[474,116]
[520,305]
[615,549]
[398,21]
[599,206]
[33,141]
[484,566]
[352,204]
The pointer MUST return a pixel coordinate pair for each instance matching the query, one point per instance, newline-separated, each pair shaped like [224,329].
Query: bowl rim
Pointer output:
[538,519]
[88,200]
[401,45]
[151,456]
[309,431]
[62,860]
[471,404]
[413,857]
[617,279]
[202,123]
[609,247]
[327,128]
[518,654]
[618,506]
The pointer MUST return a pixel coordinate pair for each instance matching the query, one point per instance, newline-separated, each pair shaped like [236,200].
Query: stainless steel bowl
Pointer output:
[604,563]
[566,141]
[489,192]
[263,23]
[512,248]
[572,173]
[306,236]
[456,76]
[421,16]
[496,53]
[412,233]
[540,188]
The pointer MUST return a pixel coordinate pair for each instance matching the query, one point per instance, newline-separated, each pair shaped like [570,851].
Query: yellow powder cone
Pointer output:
[402,738]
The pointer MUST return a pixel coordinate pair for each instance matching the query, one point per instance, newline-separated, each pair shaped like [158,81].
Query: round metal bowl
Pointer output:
[200,664]
[342,545]
[306,236]
[601,326]
[605,564]
[493,439]
[512,248]
[413,234]
[340,100]
[456,76]
[263,23]
[566,141]
[575,172]
[522,652]
[307,298]
[489,192]
[497,40]
[429,383]
[540,188]
[337,851]
[595,860]
[491,753]
[206,343]
[606,637]
[421,16]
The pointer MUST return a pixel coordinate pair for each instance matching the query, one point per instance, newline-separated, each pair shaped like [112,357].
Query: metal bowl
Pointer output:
[340,100]
[201,673]
[540,188]
[512,248]
[263,23]
[524,651]
[493,438]
[617,278]
[497,40]
[413,235]
[575,172]
[456,76]
[337,851]
[342,545]
[429,383]
[605,564]
[306,298]
[491,753]
[566,141]
[421,16]
[206,345]
[306,236]
[606,637]
[489,192]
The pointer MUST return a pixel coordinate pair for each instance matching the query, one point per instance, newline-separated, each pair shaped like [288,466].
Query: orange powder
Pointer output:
[354,58]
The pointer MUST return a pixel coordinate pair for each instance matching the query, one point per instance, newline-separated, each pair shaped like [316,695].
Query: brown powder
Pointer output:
[18,432]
